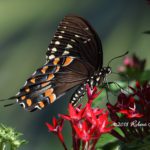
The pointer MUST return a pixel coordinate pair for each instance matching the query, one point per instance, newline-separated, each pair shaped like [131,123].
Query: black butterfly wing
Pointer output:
[75,37]
[73,55]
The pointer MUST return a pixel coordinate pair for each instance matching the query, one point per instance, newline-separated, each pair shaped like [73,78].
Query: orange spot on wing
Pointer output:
[43,70]
[32,80]
[57,69]
[56,60]
[41,104]
[68,61]
[27,90]
[52,98]
[49,92]
[51,76]
[44,84]
[23,97]
[29,102]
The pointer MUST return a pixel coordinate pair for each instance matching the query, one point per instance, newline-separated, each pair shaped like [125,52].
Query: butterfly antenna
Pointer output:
[117,58]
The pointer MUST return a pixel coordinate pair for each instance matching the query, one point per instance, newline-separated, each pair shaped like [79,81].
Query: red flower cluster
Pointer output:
[133,107]
[125,105]
[87,123]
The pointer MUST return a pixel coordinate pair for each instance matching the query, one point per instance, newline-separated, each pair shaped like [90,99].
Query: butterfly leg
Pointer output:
[77,96]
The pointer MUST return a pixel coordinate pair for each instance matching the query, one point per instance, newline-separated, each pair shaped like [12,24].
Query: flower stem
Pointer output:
[94,143]
[63,144]
[83,145]
[74,142]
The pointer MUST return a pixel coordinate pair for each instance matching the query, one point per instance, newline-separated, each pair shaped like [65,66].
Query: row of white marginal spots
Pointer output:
[54,49]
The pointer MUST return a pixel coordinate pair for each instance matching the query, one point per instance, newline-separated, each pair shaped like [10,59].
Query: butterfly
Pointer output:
[74,58]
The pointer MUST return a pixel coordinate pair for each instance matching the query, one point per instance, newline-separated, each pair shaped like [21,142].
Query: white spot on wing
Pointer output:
[77,36]
[65,53]
[25,83]
[76,95]
[73,40]
[17,93]
[69,46]
[62,31]
[54,49]
[23,105]
[57,42]
[60,36]
[34,73]
[51,57]
[37,107]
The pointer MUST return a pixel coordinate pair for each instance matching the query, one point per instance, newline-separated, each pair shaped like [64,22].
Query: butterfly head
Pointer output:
[101,74]
[106,70]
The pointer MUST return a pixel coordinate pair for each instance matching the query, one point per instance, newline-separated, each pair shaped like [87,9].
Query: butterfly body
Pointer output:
[74,58]
[95,80]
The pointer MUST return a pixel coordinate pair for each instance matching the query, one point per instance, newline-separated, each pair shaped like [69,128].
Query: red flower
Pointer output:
[75,114]
[131,112]
[56,127]
[83,130]
[92,93]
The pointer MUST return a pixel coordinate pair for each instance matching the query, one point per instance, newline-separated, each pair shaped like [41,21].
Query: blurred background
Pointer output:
[26,28]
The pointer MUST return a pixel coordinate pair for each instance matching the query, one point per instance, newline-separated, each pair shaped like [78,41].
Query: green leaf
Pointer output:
[109,142]
[9,138]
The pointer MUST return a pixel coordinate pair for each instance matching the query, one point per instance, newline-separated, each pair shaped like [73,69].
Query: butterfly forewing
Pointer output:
[75,37]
